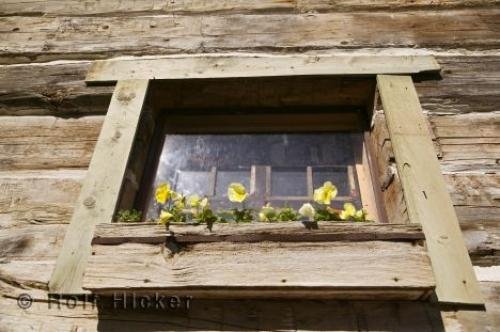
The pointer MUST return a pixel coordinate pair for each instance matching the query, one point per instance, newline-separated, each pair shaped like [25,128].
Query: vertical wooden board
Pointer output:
[427,199]
[101,187]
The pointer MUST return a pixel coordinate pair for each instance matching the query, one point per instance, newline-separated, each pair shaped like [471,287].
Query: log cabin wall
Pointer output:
[50,120]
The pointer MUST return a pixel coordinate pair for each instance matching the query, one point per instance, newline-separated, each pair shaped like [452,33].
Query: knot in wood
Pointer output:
[89,202]
[125,97]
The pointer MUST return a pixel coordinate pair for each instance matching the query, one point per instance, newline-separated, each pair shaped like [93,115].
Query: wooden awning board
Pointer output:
[285,260]
[248,65]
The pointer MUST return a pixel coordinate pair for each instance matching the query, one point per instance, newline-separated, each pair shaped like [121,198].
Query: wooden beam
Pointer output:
[226,66]
[100,189]
[338,269]
[117,233]
[424,188]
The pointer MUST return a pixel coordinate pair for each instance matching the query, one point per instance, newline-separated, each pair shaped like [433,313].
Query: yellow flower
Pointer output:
[163,193]
[348,212]
[236,192]
[204,203]
[263,217]
[307,210]
[267,213]
[194,201]
[165,217]
[360,215]
[180,202]
[325,194]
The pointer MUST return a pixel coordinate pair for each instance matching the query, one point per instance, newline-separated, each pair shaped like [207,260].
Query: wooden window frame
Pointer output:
[427,199]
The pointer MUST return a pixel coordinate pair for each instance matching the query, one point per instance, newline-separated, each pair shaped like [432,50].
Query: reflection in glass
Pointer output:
[279,168]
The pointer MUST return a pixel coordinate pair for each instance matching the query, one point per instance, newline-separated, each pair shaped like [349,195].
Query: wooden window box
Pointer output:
[331,260]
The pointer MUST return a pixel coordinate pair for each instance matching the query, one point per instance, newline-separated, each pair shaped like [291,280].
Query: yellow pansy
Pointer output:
[163,193]
[165,217]
[180,202]
[263,217]
[236,192]
[348,212]
[325,194]
[267,213]
[194,201]
[360,215]
[204,203]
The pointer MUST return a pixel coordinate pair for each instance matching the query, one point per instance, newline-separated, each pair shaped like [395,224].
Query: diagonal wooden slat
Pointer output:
[427,199]
[100,189]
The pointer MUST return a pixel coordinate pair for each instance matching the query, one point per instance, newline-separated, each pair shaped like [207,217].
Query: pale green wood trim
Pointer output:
[226,66]
[101,187]
[424,188]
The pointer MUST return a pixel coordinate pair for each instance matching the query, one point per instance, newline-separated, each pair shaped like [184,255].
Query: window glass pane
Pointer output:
[276,164]
[288,182]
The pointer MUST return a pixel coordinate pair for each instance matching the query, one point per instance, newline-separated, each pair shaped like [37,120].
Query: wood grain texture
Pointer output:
[117,233]
[99,194]
[155,7]
[41,197]
[26,269]
[285,270]
[47,142]
[238,66]
[427,199]
[470,84]
[28,39]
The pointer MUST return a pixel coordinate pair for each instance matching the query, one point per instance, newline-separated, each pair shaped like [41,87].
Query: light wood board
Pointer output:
[427,199]
[100,189]
[226,66]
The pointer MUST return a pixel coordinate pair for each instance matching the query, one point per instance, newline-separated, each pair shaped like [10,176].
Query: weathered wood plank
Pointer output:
[427,199]
[38,142]
[28,39]
[227,269]
[230,66]
[393,5]
[255,232]
[58,88]
[99,194]
[54,88]
[152,7]
[19,274]
[38,196]
[474,190]
[470,84]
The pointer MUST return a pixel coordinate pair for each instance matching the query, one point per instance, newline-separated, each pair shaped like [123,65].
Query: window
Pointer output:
[261,261]
[268,151]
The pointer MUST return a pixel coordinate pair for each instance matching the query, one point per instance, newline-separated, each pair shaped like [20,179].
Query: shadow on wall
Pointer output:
[248,315]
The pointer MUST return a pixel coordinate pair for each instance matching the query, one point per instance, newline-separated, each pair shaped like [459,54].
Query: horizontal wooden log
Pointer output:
[240,66]
[205,315]
[469,84]
[151,7]
[59,88]
[28,39]
[56,88]
[483,242]
[47,142]
[298,270]
[117,233]
[38,196]
[474,190]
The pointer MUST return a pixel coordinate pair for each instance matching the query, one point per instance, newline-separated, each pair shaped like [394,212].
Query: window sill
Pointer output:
[262,260]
